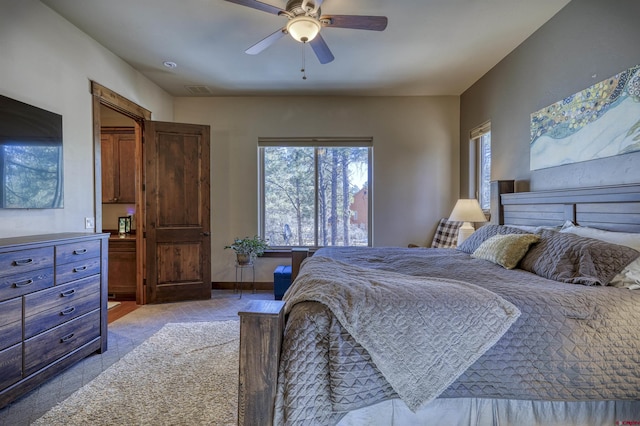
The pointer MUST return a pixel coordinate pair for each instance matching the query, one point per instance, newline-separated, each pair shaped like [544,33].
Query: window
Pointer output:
[315,193]
[480,170]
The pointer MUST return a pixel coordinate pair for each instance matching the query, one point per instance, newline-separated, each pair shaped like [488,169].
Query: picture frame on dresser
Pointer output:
[124,225]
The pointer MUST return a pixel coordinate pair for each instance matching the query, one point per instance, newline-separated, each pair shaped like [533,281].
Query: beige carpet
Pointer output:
[185,374]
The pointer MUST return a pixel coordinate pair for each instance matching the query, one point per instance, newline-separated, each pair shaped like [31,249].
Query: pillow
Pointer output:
[536,229]
[628,239]
[574,259]
[505,250]
[485,232]
[446,235]
[630,275]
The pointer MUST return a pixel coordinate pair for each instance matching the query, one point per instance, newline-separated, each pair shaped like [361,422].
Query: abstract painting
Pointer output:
[601,121]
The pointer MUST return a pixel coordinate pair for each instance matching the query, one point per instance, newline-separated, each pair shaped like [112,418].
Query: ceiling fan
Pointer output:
[305,23]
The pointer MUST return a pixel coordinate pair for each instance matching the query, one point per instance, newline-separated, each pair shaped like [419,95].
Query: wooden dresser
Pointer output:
[53,306]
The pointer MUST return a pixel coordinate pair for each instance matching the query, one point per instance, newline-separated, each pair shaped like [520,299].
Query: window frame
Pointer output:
[477,137]
[316,143]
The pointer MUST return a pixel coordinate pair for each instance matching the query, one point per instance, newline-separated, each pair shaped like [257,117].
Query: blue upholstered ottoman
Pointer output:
[281,280]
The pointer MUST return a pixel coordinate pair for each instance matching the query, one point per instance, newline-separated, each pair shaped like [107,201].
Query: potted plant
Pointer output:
[247,249]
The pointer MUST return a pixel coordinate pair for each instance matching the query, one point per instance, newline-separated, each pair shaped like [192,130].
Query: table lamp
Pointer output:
[467,211]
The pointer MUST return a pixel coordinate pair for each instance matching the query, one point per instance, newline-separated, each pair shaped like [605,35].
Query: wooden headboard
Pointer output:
[614,208]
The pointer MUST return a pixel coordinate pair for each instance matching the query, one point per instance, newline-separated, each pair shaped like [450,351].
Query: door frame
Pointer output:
[109,98]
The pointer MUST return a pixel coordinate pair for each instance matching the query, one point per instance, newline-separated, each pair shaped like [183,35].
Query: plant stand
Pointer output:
[240,269]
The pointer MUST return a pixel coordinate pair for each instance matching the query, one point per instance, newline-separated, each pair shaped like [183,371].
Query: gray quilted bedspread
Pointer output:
[571,342]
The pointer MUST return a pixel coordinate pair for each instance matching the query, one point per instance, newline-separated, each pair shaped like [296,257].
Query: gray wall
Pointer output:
[415,160]
[586,42]
[48,63]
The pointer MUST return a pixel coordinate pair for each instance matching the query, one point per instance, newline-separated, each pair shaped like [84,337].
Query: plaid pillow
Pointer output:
[446,234]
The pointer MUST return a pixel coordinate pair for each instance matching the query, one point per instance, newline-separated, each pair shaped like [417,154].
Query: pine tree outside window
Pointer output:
[315,192]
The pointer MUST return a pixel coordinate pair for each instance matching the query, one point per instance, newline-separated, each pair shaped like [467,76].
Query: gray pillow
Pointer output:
[485,232]
[578,260]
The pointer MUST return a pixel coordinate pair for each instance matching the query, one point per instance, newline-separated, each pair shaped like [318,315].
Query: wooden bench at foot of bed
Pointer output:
[261,327]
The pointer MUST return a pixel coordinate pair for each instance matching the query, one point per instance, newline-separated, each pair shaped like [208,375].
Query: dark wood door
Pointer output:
[177,212]
[127,168]
[108,156]
[118,146]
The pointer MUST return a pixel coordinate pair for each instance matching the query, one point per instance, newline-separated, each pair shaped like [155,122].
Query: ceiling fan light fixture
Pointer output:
[303,28]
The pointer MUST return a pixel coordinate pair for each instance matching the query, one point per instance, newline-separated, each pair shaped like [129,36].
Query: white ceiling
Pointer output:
[430,47]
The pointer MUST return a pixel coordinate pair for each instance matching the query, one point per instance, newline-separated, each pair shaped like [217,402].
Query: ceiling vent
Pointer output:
[199,90]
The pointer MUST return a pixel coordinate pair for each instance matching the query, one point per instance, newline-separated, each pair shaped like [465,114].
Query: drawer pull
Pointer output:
[80,269]
[23,283]
[80,251]
[23,262]
[68,311]
[66,338]
[68,293]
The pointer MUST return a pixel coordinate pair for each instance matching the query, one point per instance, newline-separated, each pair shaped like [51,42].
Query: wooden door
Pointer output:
[118,147]
[127,168]
[177,213]
[108,148]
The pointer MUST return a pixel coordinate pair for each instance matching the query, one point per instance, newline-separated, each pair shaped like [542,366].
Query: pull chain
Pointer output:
[302,70]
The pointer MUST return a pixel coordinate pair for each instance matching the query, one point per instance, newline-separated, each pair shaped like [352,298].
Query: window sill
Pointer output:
[285,252]
[277,253]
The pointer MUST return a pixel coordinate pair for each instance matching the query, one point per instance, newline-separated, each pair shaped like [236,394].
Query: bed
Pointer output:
[482,344]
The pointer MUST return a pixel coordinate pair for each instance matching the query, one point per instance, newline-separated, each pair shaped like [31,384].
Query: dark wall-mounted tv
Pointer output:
[30,157]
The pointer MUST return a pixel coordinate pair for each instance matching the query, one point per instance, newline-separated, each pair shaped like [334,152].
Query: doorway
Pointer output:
[168,207]
[118,123]
[118,163]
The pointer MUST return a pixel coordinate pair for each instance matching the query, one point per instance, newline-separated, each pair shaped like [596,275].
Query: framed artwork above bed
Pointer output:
[600,121]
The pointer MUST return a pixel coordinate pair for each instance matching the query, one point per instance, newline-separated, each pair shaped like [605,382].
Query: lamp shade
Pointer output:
[303,28]
[467,210]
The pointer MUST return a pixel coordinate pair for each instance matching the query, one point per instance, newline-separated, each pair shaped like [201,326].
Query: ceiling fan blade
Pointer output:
[321,50]
[356,22]
[266,42]
[254,4]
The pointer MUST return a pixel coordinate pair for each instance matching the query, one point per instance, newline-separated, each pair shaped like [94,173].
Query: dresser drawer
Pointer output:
[25,282]
[49,308]
[52,306]
[10,322]
[60,294]
[77,252]
[43,349]
[10,365]
[76,270]
[20,261]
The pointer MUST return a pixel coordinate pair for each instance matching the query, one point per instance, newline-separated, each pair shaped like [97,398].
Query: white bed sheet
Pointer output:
[497,412]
